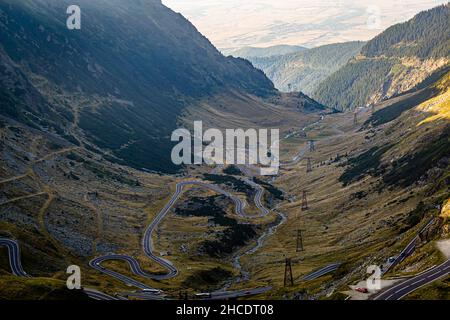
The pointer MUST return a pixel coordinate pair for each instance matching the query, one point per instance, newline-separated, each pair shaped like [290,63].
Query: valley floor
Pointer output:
[64,206]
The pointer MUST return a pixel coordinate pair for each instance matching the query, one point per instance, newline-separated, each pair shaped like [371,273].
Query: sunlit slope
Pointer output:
[439,106]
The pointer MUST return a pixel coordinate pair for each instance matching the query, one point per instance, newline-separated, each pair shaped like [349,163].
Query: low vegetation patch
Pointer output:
[277,193]
[235,183]
[205,279]
[412,167]
[232,171]
[415,216]
[235,235]
[366,163]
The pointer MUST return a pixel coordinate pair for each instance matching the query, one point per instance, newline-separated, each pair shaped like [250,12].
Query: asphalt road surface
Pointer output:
[97,295]
[96,264]
[147,241]
[14,257]
[321,272]
[17,270]
[147,244]
[408,250]
[404,288]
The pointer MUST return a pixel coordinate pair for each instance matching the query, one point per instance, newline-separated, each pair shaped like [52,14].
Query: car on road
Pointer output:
[362,290]
[154,291]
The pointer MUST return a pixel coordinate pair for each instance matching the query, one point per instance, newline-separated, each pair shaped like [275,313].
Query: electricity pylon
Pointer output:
[309,167]
[288,279]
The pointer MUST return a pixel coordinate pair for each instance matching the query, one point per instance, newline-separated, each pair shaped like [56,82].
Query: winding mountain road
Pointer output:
[147,241]
[17,270]
[252,170]
[97,295]
[96,264]
[321,272]
[406,287]
[406,252]
[148,246]
[14,257]
[299,156]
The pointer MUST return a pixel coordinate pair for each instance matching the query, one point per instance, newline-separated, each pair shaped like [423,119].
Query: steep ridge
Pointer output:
[392,63]
[117,85]
[253,52]
[305,70]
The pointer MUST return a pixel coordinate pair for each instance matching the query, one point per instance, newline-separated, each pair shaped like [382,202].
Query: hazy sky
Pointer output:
[261,23]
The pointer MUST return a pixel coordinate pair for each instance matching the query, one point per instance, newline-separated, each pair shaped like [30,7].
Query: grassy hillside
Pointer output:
[371,190]
[392,63]
[13,288]
[431,150]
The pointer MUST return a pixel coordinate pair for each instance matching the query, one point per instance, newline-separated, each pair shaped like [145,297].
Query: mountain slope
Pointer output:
[371,190]
[118,85]
[303,71]
[253,52]
[415,138]
[392,63]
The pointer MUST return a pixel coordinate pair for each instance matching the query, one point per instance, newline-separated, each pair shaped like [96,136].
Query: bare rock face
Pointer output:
[406,75]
